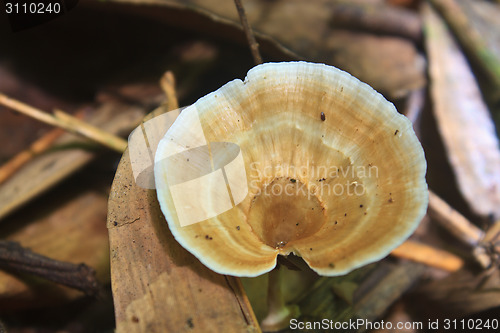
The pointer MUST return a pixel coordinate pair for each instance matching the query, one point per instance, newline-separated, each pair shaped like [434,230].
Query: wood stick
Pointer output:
[28,110]
[488,251]
[96,134]
[428,255]
[67,122]
[464,230]
[453,221]
[82,277]
[254,46]
[36,148]
[167,83]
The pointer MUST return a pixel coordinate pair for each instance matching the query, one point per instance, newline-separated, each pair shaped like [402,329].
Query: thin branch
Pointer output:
[254,46]
[67,122]
[94,133]
[460,227]
[167,83]
[38,147]
[453,221]
[488,251]
[428,255]
[18,259]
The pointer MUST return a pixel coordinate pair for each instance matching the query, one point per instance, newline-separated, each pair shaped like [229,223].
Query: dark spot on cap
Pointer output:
[237,227]
[297,223]
[208,237]
[360,206]
[397,131]
[293,180]
[345,214]
[331,265]
[135,319]
[341,89]
[115,223]
[390,200]
[310,249]
[189,322]
[323,116]
[336,222]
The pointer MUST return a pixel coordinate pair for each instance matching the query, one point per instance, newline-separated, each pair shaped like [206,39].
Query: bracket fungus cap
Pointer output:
[330,170]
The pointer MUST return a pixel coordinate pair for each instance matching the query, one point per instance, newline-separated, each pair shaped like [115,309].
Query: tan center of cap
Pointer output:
[285,210]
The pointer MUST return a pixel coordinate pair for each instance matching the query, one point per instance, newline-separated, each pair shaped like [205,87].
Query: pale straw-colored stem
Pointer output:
[68,122]
[278,313]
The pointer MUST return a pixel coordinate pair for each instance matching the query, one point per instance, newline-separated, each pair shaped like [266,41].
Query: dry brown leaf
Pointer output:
[463,119]
[157,285]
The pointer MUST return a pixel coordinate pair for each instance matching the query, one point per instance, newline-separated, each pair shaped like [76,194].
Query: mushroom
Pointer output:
[299,158]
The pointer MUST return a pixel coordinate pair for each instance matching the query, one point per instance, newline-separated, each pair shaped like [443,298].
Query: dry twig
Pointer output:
[67,122]
[21,260]
[428,255]
[487,252]
[254,46]
[167,83]
[453,221]
[38,147]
